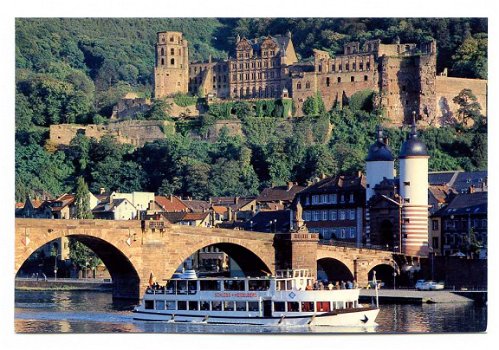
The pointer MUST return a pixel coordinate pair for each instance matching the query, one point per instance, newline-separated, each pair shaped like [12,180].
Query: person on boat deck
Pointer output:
[342,285]
[337,285]
[355,285]
[330,286]
[321,285]
[349,285]
[308,287]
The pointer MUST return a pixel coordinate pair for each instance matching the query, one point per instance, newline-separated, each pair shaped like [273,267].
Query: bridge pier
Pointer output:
[297,250]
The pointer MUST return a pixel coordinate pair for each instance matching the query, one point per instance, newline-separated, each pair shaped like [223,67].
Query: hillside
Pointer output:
[74,71]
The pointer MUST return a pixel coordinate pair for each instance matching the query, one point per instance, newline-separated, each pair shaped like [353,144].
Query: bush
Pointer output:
[362,100]
[183,100]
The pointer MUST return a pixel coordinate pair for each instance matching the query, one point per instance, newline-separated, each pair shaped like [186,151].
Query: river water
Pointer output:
[96,312]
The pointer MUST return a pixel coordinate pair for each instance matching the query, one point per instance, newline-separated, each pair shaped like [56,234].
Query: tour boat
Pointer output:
[286,299]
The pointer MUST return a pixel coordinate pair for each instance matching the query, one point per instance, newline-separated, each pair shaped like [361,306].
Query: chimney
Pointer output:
[171,198]
[102,190]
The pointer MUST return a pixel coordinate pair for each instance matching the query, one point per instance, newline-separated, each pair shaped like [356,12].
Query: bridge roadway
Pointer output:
[133,250]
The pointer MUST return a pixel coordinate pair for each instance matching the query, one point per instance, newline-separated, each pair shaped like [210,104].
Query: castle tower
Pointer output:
[414,194]
[171,69]
[379,164]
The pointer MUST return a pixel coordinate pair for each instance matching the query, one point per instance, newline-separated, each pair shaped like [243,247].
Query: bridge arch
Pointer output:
[243,253]
[384,273]
[334,270]
[123,271]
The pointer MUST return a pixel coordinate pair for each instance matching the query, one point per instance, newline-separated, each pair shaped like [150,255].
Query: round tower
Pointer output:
[414,194]
[379,164]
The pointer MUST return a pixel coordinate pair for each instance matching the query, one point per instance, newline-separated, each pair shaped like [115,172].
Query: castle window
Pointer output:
[352,78]
[365,77]
[247,54]
[214,79]
[327,81]
[241,92]
[247,65]
[252,64]
[320,68]
[240,66]
[347,66]
[307,85]
[247,91]
[339,79]
[254,92]
[172,51]
[253,76]
[361,65]
[266,64]
[172,61]
[162,61]
[163,39]
[171,39]
[340,67]
[246,76]
[259,75]
[298,86]
[162,51]
[234,77]
[354,66]
[368,65]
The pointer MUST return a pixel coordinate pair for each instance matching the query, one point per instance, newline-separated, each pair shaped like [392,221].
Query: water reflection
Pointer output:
[96,312]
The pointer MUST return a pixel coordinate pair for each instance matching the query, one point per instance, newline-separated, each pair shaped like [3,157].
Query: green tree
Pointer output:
[470,59]
[159,110]
[82,200]
[82,256]
[469,109]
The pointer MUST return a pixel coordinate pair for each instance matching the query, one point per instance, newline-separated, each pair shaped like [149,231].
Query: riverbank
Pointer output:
[63,284]
[406,296]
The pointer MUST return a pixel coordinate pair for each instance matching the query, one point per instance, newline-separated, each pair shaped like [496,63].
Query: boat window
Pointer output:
[170,305]
[181,305]
[349,305]
[216,306]
[293,306]
[258,284]
[323,306]
[204,305]
[228,306]
[307,306]
[234,285]
[279,306]
[240,306]
[192,286]
[170,287]
[149,304]
[289,285]
[160,304]
[253,306]
[281,285]
[181,287]
[210,285]
[193,305]
[340,305]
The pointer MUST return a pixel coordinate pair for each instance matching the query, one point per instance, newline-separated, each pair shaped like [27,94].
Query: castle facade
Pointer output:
[402,75]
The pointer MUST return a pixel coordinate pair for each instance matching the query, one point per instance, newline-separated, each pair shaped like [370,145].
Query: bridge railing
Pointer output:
[337,243]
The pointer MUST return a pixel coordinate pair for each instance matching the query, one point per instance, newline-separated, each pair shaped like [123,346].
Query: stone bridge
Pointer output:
[132,250]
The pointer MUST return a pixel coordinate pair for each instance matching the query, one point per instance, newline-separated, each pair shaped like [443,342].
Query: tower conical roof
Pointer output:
[379,151]
[413,146]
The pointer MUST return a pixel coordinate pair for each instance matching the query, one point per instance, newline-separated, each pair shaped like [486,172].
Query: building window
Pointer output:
[327,81]
[315,215]
[333,198]
[342,214]
[368,65]
[340,67]
[339,79]
[333,215]
[407,221]
[172,61]
[435,242]
[162,51]
[351,199]
[351,214]
[307,215]
[434,224]
[352,78]
[354,66]
[353,232]
[298,85]
[342,232]
[171,39]
[162,61]
[307,200]
[333,68]
[347,66]
[307,85]
[324,215]
[172,51]
[323,198]
[315,199]
[365,78]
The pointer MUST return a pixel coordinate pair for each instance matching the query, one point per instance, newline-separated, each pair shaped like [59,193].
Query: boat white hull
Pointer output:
[361,318]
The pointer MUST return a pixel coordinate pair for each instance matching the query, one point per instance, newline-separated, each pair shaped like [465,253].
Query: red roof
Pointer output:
[219,209]
[19,205]
[170,203]
[194,216]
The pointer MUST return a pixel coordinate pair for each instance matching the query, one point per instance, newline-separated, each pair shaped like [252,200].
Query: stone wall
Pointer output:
[134,132]
[448,87]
